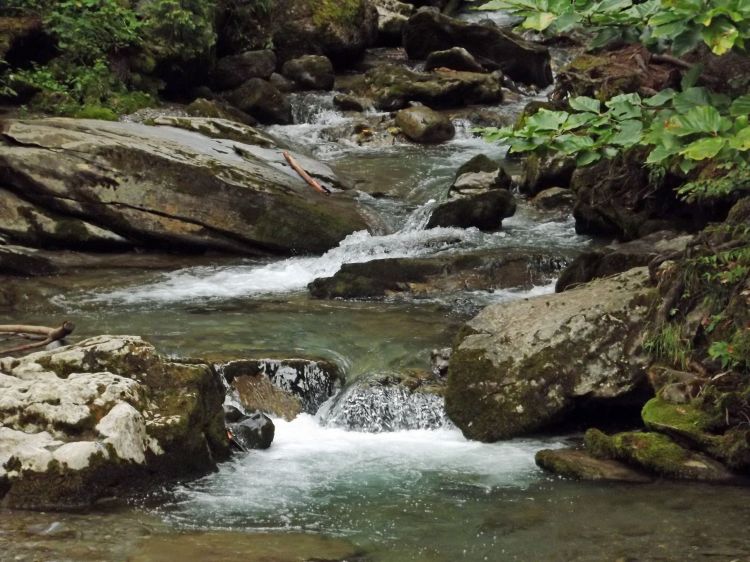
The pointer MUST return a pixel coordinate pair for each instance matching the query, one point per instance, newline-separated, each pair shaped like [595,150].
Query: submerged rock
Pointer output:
[479,270]
[580,465]
[106,415]
[177,190]
[422,124]
[428,31]
[390,402]
[255,431]
[520,366]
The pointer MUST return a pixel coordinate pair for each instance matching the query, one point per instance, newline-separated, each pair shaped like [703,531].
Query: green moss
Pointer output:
[681,419]
[95,112]
[336,12]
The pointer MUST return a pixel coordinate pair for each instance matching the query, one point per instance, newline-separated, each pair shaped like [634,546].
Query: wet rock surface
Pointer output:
[232,71]
[428,31]
[579,465]
[484,210]
[107,414]
[262,100]
[24,262]
[255,431]
[512,372]
[482,270]
[310,72]
[422,124]
[130,180]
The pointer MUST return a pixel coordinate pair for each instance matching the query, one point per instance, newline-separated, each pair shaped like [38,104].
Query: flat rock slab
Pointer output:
[174,189]
[484,270]
[578,464]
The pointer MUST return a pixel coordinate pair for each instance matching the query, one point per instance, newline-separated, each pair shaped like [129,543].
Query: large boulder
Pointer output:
[484,210]
[428,31]
[106,415]
[338,29]
[480,270]
[255,431]
[310,72]
[175,189]
[232,71]
[262,100]
[422,124]
[580,465]
[393,87]
[518,367]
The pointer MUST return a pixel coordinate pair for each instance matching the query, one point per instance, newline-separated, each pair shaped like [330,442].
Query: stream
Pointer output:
[418,495]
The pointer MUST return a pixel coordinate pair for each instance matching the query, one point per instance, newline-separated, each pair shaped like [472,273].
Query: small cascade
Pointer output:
[371,408]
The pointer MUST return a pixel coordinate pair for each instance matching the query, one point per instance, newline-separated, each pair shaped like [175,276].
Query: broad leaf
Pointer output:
[740,107]
[704,148]
[741,141]
[584,103]
[702,119]
[539,21]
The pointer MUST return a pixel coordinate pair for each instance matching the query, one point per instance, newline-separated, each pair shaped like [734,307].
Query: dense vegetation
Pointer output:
[108,52]
[698,134]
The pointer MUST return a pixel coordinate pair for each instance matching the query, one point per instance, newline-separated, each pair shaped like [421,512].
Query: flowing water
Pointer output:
[405,485]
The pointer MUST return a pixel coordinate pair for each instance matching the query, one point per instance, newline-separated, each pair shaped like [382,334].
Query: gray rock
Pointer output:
[393,87]
[256,431]
[520,366]
[218,109]
[484,210]
[232,71]
[175,189]
[455,58]
[346,102]
[24,262]
[105,415]
[392,17]
[428,31]
[310,72]
[282,84]
[262,100]
[555,199]
[616,258]
[422,124]
[579,465]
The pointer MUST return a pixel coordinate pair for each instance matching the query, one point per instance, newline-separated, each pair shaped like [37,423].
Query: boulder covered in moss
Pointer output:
[580,465]
[232,71]
[338,29]
[428,31]
[264,101]
[393,87]
[174,189]
[108,414]
[424,125]
[658,454]
[310,72]
[519,367]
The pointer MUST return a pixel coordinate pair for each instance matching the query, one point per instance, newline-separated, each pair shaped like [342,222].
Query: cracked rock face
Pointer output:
[107,413]
[103,185]
[521,366]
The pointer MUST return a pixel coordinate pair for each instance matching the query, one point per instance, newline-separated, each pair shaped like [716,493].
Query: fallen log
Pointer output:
[305,176]
[50,335]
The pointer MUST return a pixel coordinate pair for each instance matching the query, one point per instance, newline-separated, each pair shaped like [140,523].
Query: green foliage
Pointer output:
[682,24]
[182,29]
[669,344]
[681,130]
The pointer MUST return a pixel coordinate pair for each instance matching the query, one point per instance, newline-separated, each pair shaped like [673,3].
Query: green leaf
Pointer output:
[584,103]
[704,148]
[587,157]
[659,154]
[741,141]
[630,134]
[687,100]
[546,120]
[702,119]
[539,21]
[740,107]
[661,98]
[720,36]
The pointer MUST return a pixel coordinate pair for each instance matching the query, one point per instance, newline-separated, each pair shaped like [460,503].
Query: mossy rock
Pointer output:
[656,453]
[579,465]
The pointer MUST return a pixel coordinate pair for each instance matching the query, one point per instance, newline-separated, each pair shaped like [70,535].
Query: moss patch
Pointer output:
[336,12]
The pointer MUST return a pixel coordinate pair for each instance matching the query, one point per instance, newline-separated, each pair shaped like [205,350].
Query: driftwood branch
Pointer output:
[304,175]
[50,335]
[674,61]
